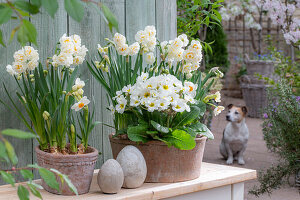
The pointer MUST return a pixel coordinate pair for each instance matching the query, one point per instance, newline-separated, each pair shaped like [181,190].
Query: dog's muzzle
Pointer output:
[228,118]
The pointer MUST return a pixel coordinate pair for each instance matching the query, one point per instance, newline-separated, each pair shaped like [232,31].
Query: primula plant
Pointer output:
[163,98]
[8,175]
[50,94]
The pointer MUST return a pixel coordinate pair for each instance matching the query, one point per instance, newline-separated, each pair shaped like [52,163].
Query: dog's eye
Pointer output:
[236,113]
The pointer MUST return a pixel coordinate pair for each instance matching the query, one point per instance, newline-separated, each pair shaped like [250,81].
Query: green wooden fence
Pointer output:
[132,15]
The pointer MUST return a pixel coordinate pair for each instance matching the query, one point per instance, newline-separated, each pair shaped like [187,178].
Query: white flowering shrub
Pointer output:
[159,97]
[49,94]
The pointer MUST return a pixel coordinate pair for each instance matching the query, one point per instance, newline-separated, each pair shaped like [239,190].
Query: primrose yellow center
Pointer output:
[147,94]
[136,102]
[121,106]
[81,105]
[162,104]
[166,87]
[152,105]
[177,107]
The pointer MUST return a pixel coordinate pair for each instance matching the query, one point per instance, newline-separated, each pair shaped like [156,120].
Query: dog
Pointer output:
[235,135]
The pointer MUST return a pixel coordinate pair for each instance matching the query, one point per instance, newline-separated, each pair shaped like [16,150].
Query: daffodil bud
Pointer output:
[46,115]
[32,80]
[97,63]
[189,75]
[74,87]
[23,98]
[31,76]
[72,129]
[80,91]
[45,72]
[64,92]
[106,59]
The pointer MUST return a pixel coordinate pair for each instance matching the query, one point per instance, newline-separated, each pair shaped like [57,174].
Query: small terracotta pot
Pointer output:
[79,169]
[166,164]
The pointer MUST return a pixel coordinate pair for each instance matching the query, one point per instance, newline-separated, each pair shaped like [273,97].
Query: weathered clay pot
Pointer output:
[79,169]
[166,164]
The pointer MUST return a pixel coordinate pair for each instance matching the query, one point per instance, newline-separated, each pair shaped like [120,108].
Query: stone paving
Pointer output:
[256,156]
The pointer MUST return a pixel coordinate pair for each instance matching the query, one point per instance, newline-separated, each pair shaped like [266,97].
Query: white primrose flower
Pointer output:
[80,104]
[218,110]
[134,49]
[190,88]
[151,104]
[119,39]
[126,89]
[180,106]
[150,58]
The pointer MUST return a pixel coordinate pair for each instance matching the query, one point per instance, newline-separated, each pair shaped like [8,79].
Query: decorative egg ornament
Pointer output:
[134,166]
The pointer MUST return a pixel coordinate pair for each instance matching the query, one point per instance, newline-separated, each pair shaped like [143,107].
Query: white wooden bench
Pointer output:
[217,182]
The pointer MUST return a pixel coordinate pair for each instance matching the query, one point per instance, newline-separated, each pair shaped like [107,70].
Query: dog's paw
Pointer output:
[241,161]
[229,161]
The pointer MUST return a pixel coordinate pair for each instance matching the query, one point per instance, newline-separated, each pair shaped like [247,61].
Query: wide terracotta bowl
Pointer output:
[79,168]
[166,164]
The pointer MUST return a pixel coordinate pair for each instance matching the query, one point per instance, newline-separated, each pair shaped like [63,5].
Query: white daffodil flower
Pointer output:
[79,105]
[218,110]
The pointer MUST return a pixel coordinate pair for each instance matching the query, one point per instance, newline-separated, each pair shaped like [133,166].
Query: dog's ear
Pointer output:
[244,109]
[229,106]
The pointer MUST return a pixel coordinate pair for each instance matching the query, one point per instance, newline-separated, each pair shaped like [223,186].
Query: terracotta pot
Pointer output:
[79,168]
[166,164]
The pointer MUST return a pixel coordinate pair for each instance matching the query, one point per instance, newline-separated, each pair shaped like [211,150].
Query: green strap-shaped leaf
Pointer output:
[8,178]
[49,178]
[180,139]
[18,133]
[138,133]
[23,193]
[75,9]
[11,152]
[159,127]
[50,6]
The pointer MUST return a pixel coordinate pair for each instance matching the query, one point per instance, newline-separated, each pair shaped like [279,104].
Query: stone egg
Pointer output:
[110,177]
[134,166]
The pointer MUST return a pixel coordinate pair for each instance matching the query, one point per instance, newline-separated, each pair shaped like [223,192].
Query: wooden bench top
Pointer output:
[212,175]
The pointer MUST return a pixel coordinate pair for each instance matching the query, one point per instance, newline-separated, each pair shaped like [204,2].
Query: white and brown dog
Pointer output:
[235,135]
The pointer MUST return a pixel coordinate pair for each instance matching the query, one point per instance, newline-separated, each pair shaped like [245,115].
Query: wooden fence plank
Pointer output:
[23,148]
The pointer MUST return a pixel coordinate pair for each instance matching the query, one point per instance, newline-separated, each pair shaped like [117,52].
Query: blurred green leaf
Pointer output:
[37,3]
[1,39]
[8,178]
[5,14]
[186,117]
[27,174]
[11,152]
[34,191]
[49,178]
[26,6]
[110,17]
[27,33]
[3,153]
[50,6]
[23,193]
[67,180]
[18,133]
[75,9]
